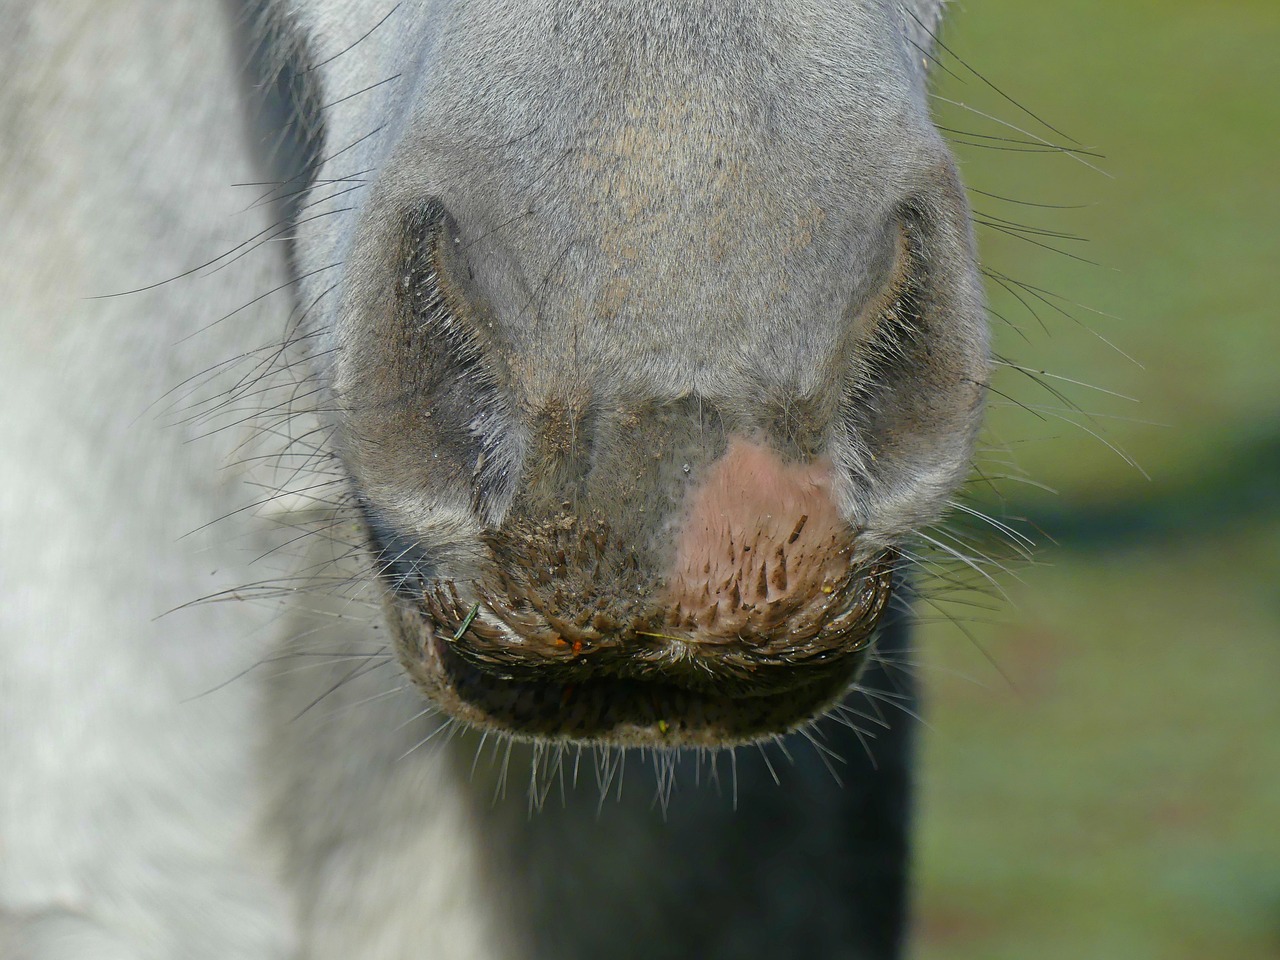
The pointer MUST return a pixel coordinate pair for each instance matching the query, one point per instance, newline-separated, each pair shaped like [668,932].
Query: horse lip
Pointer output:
[577,644]
[643,685]
[653,642]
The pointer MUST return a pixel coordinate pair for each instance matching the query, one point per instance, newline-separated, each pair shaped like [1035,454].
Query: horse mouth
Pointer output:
[545,655]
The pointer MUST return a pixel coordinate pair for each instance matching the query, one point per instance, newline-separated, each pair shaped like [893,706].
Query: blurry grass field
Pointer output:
[1101,774]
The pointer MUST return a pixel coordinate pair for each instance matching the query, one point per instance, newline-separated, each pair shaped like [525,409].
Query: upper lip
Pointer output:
[562,631]
[532,643]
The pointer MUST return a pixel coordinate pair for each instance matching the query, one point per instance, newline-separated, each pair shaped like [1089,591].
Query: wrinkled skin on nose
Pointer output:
[657,335]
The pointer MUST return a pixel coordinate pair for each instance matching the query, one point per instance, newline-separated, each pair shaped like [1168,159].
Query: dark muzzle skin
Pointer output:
[759,619]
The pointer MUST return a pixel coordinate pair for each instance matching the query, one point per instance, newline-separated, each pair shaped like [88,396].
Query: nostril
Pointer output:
[428,422]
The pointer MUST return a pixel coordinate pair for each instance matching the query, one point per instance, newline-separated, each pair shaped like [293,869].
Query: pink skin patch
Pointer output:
[758,533]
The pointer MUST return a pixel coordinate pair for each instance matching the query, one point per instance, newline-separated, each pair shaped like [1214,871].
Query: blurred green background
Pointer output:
[1101,774]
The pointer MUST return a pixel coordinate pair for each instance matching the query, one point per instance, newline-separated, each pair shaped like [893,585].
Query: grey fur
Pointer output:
[731,185]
